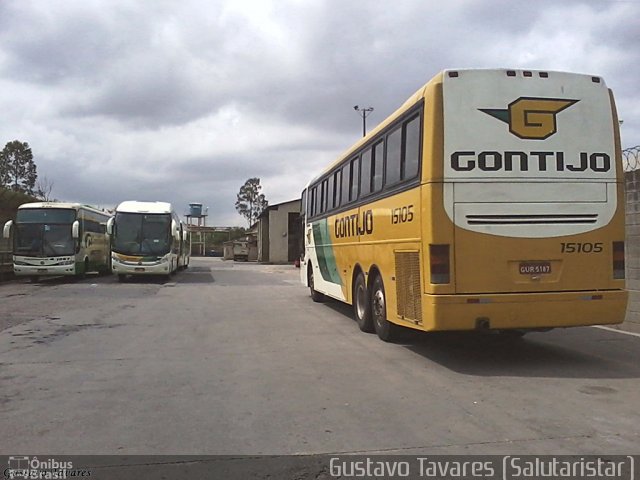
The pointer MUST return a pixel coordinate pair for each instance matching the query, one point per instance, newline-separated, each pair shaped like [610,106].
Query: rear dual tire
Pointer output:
[362,305]
[370,308]
[386,330]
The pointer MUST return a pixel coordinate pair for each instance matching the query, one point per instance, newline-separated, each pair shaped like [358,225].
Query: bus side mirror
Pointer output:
[110,224]
[175,233]
[6,231]
[75,229]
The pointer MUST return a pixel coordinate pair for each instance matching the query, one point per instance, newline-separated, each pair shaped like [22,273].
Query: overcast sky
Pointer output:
[182,101]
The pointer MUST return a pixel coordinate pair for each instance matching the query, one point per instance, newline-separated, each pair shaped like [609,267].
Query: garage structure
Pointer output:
[279,233]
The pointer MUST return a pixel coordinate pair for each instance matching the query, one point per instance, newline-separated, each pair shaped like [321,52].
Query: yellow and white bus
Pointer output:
[147,238]
[55,238]
[490,200]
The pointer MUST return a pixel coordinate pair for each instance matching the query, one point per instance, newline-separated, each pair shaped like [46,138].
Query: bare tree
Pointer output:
[44,186]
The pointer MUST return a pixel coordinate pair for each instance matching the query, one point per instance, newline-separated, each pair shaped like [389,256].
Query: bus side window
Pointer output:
[314,202]
[365,173]
[330,193]
[378,159]
[323,203]
[337,178]
[345,184]
[394,157]
[411,149]
[353,195]
[303,205]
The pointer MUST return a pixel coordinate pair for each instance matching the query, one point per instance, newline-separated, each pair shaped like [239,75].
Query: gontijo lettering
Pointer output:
[508,161]
[354,224]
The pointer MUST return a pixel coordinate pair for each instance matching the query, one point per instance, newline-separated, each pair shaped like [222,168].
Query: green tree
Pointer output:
[17,169]
[236,232]
[251,203]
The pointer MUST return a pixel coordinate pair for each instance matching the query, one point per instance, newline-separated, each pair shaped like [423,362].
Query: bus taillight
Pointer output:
[618,260]
[439,263]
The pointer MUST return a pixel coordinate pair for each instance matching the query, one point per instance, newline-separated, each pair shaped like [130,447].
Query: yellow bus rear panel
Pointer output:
[521,311]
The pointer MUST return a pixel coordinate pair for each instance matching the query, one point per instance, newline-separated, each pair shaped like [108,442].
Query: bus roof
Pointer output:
[406,105]
[440,78]
[67,205]
[134,206]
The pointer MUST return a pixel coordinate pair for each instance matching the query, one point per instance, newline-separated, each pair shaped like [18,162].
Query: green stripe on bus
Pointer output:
[324,251]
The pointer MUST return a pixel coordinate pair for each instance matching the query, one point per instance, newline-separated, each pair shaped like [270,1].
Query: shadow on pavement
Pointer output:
[579,352]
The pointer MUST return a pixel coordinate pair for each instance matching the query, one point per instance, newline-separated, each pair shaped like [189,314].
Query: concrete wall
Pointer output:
[632,250]
[279,231]
[227,253]
[273,232]
[263,238]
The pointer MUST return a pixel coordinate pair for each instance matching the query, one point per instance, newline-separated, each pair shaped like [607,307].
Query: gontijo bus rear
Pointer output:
[492,199]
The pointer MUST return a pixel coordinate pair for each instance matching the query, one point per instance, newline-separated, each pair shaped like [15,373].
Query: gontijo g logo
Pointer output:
[531,118]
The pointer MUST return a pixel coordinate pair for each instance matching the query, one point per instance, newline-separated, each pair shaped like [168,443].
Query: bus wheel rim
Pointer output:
[360,301]
[378,305]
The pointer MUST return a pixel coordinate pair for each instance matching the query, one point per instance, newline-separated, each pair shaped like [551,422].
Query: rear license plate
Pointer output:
[138,269]
[535,268]
[43,270]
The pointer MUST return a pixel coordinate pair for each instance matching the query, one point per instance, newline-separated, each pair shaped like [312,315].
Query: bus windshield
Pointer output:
[46,215]
[142,234]
[44,232]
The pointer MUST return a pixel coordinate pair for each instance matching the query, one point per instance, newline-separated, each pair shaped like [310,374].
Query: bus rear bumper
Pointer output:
[523,311]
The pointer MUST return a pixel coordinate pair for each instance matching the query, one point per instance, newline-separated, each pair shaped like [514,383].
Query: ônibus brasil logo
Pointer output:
[531,118]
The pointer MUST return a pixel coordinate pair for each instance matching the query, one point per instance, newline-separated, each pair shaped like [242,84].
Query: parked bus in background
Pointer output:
[54,238]
[490,200]
[147,238]
[185,247]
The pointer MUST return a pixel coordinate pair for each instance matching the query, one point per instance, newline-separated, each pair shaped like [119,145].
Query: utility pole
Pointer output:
[364,113]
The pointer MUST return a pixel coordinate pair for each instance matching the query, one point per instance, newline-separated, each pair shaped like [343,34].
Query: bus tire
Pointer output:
[122,277]
[85,268]
[315,295]
[386,330]
[512,334]
[362,305]
[34,278]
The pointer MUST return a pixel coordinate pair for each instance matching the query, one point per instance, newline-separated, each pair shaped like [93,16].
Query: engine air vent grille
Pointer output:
[408,291]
